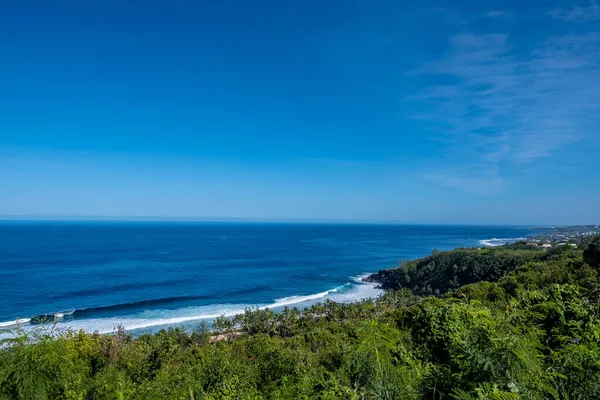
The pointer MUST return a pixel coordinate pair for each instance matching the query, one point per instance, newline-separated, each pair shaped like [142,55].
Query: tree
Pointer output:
[591,255]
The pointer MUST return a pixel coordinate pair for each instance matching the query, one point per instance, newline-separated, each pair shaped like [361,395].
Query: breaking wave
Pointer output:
[146,315]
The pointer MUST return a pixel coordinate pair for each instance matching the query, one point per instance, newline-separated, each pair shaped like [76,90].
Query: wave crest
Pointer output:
[80,318]
[494,242]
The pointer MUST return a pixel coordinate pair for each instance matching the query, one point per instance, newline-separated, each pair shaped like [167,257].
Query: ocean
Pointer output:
[145,276]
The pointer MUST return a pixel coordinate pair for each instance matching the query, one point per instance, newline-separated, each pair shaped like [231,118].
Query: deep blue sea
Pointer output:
[149,275]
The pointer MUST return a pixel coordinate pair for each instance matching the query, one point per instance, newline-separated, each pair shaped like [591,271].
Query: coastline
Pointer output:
[354,290]
[327,252]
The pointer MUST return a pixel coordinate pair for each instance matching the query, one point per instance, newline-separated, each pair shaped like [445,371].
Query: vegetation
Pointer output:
[591,254]
[509,323]
[444,271]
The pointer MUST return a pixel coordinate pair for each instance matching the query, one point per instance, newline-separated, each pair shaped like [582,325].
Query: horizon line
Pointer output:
[114,218]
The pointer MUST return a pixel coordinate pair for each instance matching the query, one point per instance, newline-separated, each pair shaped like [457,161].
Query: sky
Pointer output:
[462,112]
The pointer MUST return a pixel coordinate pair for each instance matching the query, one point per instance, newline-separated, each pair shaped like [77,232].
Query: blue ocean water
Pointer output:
[148,275]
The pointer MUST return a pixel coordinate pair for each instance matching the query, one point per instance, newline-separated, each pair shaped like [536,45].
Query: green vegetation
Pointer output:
[444,271]
[591,255]
[509,323]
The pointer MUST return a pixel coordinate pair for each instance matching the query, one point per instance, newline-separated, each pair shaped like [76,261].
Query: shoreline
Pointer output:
[354,290]
[152,315]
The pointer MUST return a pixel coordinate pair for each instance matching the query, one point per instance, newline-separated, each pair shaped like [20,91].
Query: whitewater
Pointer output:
[190,317]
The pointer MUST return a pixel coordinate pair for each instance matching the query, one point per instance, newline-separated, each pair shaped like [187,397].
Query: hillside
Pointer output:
[533,333]
[444,271]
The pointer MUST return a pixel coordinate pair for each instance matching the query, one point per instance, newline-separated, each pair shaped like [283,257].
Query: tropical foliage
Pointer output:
[514,323]
[444,271]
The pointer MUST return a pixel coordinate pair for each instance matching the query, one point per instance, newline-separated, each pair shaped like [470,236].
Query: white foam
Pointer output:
[20,321]
[494,242]
[288,301]
[154,318]
[361,291]
[359,278]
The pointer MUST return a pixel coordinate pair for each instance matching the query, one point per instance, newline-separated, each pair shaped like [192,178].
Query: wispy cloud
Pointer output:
[485,183]
[505,103]
[499,14]
[580,13]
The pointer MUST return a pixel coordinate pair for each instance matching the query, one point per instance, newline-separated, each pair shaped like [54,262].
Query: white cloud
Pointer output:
[509,104]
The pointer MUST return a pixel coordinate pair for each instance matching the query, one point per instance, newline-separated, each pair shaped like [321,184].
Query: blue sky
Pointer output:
[433,112]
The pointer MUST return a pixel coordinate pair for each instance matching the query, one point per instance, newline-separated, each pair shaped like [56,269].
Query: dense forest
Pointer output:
[513,322]
[444,271]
